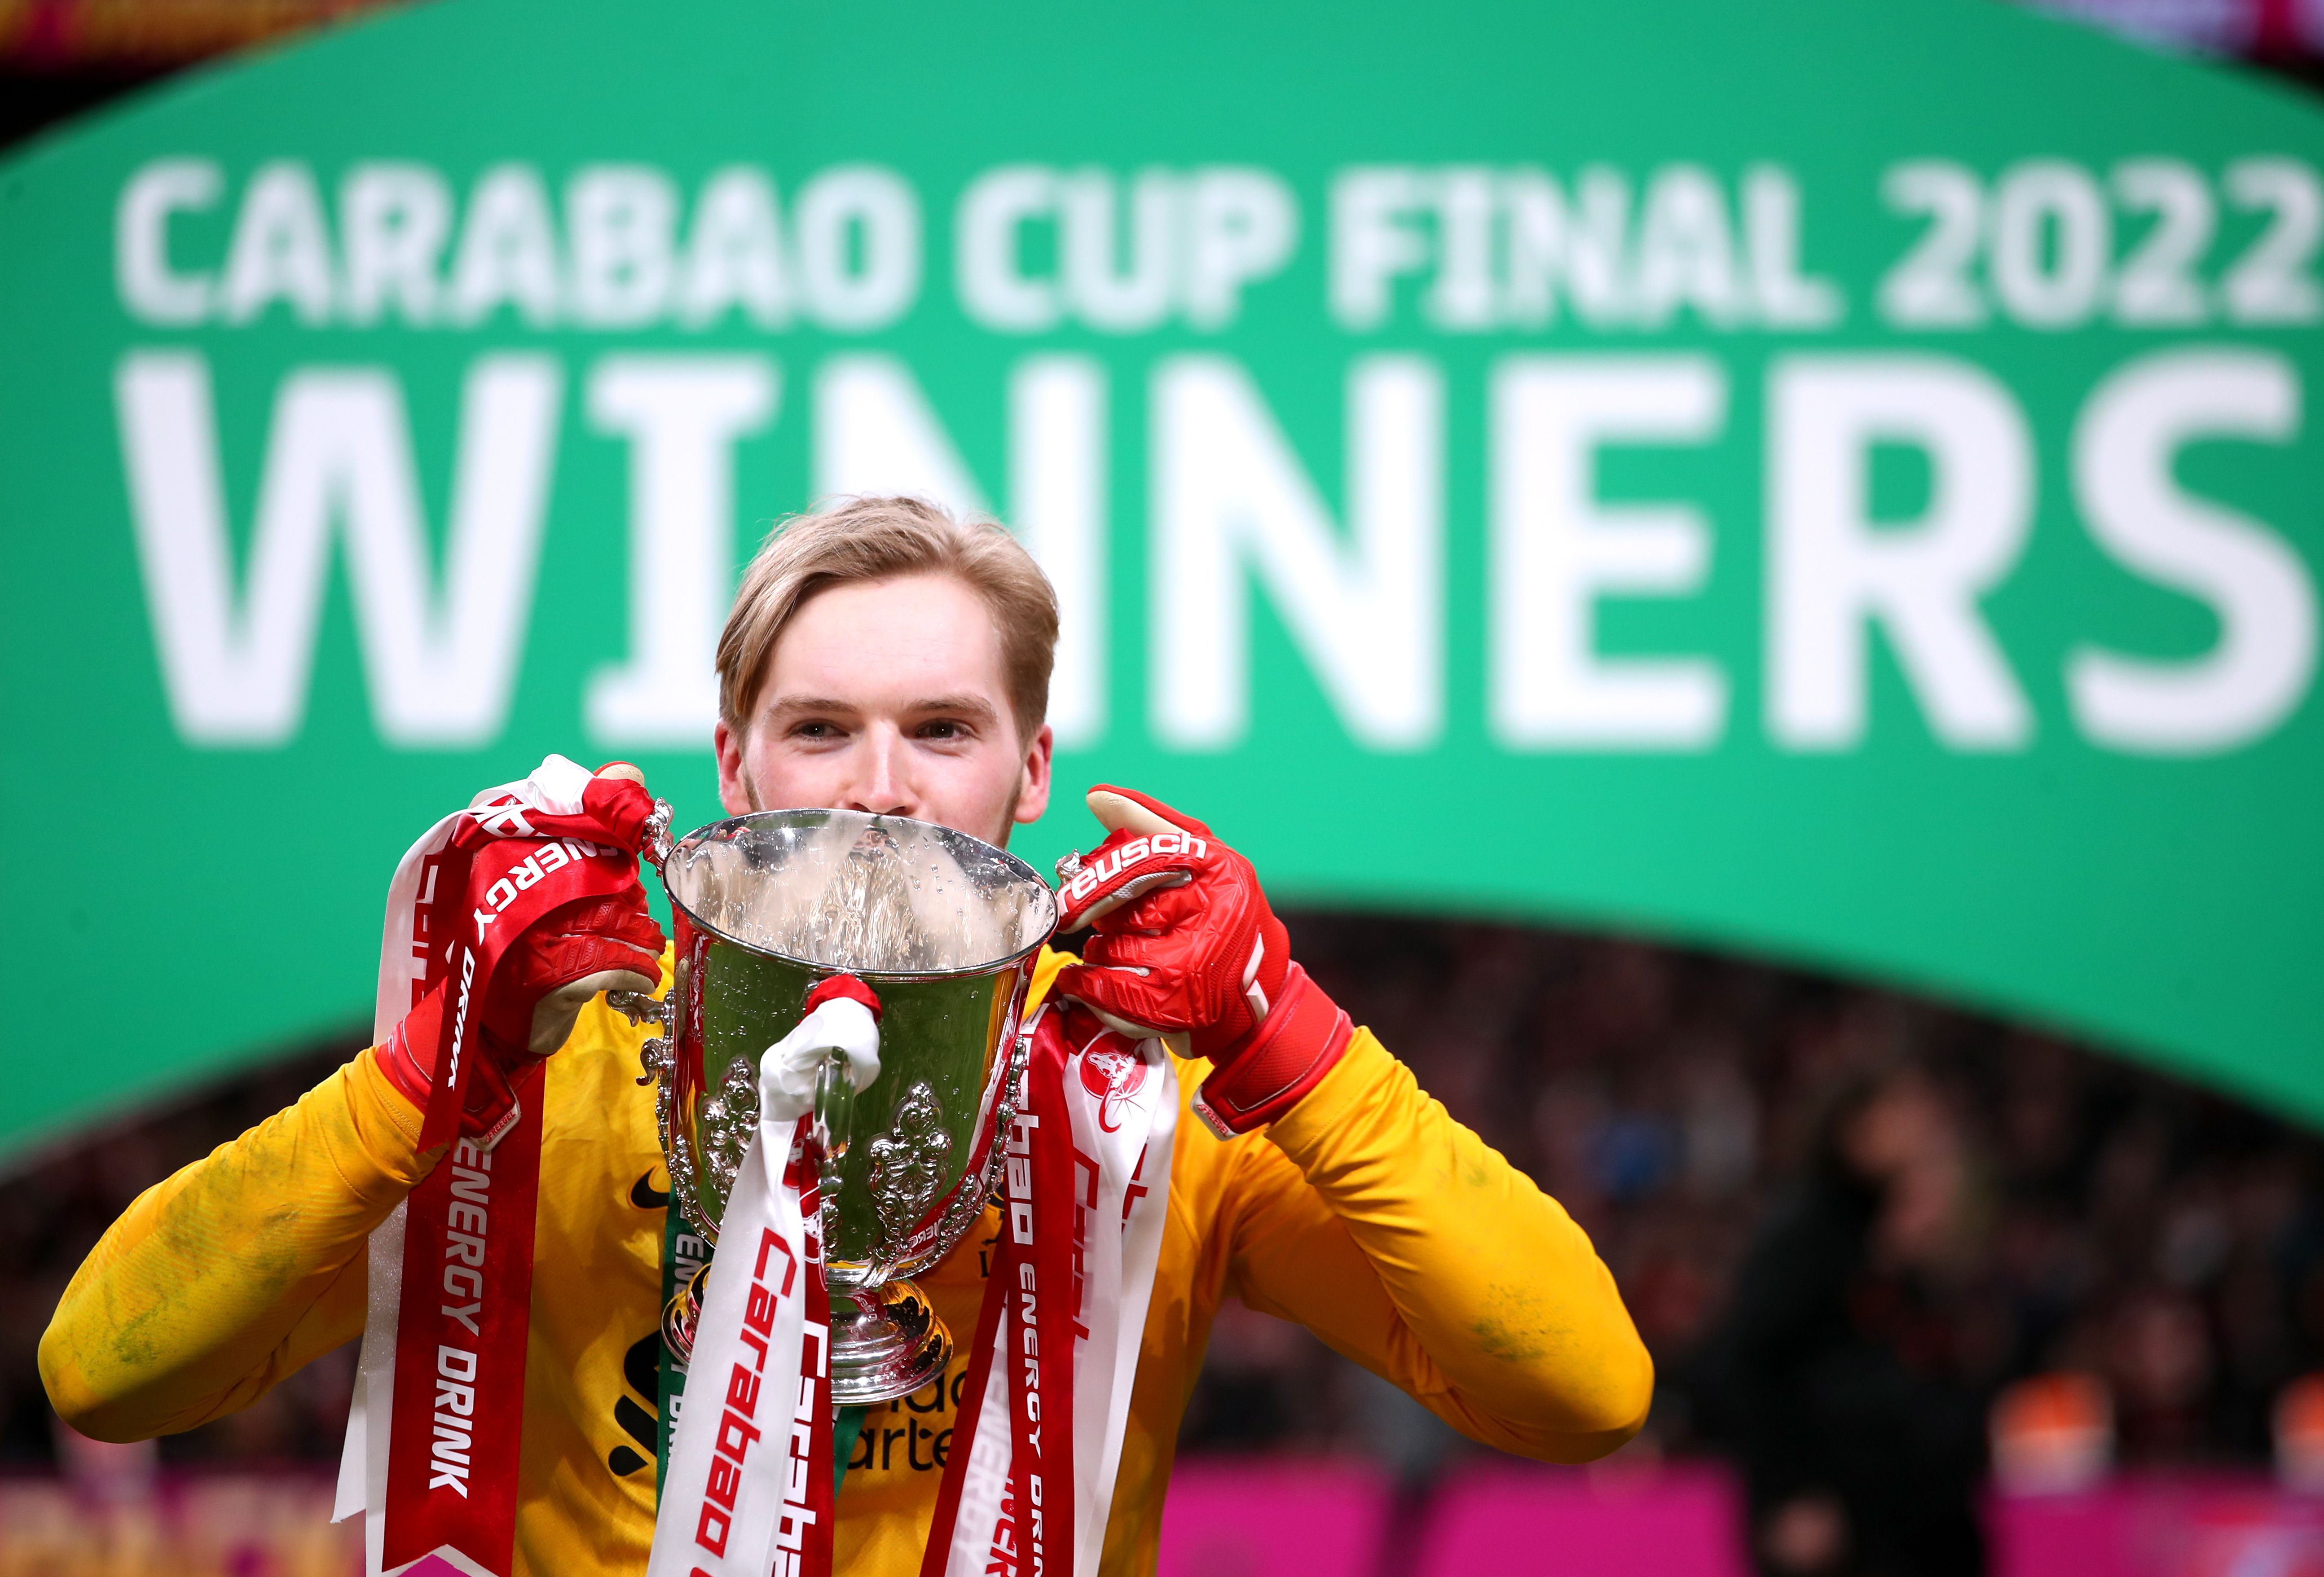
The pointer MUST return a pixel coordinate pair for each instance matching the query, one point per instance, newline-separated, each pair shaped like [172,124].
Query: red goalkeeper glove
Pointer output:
[1186,947]
[604,941]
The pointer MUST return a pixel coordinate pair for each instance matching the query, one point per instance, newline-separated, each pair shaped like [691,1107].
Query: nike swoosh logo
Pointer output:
[645,1197]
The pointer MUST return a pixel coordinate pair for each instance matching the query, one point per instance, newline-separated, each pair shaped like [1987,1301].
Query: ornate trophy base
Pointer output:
[885,1343]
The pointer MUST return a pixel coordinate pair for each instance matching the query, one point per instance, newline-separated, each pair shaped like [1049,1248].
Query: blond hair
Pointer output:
[859,539]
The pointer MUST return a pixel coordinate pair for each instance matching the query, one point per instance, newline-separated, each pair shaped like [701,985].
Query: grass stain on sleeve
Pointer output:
[1513,1327]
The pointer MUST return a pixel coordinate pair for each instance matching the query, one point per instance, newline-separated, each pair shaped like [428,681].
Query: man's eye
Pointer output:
[814,730]
[943,730]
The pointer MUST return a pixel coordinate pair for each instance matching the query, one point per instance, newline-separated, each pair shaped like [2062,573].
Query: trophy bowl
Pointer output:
[946,929]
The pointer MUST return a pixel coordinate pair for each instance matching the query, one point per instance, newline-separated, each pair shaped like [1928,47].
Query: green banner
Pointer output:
[1829,481]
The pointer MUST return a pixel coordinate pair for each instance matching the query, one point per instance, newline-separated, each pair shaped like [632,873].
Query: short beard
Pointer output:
[1008,815]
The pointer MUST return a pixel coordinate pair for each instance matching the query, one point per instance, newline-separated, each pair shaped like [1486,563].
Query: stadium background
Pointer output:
[2055,1209]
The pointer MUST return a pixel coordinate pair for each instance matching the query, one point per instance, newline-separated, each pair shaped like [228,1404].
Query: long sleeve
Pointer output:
[1408,1245]
[243,1267]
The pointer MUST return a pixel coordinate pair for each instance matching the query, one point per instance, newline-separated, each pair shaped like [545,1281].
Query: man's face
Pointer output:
[889,696]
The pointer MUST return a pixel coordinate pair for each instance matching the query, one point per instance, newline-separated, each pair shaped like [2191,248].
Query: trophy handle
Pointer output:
[638,1008]
[657,830]
[658,1062]
[833,1131]
[981,1185]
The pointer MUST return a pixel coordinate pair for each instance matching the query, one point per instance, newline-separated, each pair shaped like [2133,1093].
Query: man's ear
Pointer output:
[1033,796]
[734,791]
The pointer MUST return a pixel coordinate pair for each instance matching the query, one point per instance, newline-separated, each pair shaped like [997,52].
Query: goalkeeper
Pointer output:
[883,657]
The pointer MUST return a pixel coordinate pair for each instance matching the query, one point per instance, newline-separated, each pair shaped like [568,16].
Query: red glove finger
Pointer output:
[1128,1004]
[1138,952]
[1127,978]
[620,803]
[587,936]
[1177,818]
[619,918]
[1150,912]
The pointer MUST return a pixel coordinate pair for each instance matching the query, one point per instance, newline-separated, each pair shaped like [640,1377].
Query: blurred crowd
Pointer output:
[1844,1220]
[63,57]
[60,36]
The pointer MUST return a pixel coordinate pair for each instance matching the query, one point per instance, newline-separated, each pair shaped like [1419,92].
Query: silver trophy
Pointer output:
[946,929]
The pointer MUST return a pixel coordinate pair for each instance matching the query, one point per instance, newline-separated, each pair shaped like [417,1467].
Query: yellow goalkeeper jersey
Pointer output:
[1366,1213]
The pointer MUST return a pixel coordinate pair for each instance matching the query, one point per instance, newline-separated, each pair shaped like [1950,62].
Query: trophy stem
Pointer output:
[886,1341]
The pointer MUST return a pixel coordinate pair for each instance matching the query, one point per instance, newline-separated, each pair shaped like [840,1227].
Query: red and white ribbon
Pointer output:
[1087,1188]
[433,1436]
[749,1490]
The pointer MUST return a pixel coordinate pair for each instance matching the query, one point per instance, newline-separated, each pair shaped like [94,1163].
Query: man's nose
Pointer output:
[883,786]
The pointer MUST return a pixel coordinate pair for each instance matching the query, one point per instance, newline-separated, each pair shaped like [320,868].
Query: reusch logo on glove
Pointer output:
[1104,868]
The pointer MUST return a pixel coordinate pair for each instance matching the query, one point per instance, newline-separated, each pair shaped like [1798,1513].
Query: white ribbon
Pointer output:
[786,1073]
